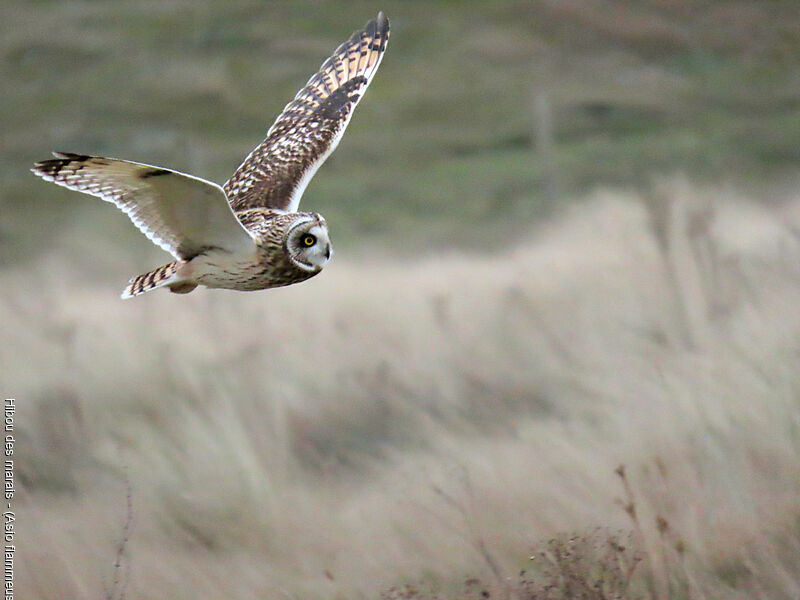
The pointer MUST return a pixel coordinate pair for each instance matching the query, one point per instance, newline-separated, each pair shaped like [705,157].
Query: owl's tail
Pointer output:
[160,277]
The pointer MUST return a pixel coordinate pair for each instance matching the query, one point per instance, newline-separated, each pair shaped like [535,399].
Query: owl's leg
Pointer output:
[182,288]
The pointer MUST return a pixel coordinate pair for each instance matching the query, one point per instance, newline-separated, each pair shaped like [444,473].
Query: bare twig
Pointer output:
[476,538]
[119,585]
[660,582]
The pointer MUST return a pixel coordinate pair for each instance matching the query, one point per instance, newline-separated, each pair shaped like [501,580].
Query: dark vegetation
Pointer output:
[442,150]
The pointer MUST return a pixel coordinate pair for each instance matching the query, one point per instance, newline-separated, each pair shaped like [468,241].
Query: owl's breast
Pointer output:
[268,266]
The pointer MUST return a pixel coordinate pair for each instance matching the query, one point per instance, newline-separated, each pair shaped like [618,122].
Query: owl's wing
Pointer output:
[184,215]
[276,173]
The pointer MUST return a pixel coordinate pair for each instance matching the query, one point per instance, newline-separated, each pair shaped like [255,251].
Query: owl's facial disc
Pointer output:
[309,245]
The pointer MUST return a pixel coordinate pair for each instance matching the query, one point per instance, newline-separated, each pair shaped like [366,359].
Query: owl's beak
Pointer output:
[327,251]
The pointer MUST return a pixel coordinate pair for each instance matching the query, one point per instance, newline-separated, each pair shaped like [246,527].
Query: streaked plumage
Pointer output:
[246,235]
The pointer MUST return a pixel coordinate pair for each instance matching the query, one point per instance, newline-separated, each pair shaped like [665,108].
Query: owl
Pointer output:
[248,234]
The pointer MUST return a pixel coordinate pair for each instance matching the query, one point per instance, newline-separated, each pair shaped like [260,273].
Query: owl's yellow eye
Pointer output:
[309,240]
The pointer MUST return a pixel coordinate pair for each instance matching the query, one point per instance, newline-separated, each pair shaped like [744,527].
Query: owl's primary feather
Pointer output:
[183,214]
[248,234]
[276,172]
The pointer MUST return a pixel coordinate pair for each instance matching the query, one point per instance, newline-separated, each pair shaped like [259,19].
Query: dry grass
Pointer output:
[428,423]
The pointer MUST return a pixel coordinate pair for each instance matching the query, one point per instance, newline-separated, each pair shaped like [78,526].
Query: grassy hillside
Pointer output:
[442,151]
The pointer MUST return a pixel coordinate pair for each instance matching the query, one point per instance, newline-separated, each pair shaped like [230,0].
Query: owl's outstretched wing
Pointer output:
[184,215]
[276,173]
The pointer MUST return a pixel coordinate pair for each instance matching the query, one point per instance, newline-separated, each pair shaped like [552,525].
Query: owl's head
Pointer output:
[307,242]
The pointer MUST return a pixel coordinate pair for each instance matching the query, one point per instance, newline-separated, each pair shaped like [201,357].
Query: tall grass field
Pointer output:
[556,355]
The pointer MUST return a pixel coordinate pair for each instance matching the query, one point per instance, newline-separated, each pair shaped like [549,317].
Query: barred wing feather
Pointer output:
[276,173]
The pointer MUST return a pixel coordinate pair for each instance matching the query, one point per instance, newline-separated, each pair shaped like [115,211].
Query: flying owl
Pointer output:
[248,234]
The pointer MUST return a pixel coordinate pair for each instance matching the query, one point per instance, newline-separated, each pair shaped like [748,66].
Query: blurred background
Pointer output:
[561,321]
